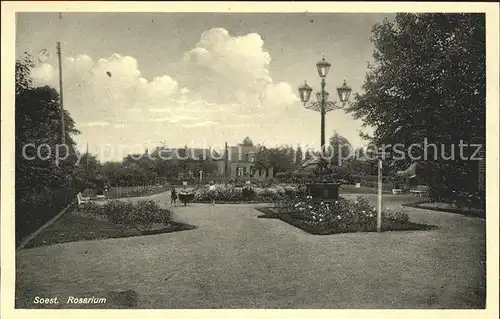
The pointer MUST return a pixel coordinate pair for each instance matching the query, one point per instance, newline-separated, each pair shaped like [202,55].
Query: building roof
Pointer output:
[190,153]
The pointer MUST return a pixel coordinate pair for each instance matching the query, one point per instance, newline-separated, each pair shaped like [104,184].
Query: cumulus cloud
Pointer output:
[226,68]
[280,97]
[44,74]
[223,81]
[106,88]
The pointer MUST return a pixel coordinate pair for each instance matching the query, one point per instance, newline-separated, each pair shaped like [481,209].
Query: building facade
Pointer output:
[241,162]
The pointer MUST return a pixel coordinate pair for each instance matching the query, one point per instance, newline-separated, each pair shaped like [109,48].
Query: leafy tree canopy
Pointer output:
[428,81]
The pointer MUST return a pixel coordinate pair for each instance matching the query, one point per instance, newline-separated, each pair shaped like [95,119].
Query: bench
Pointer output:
[82,200]
[420,190]
[397,191]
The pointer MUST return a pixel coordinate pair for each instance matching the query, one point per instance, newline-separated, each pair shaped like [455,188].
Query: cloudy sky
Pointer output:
[133,80]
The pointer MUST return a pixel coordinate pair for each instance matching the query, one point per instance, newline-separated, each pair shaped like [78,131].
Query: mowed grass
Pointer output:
[351,189]
[72,226]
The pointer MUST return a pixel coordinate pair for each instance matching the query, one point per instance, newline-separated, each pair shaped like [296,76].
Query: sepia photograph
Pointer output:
[244,159]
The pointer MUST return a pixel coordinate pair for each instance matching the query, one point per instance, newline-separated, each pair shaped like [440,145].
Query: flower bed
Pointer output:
[247,193]
[115,219]
[141,215]
[341,216]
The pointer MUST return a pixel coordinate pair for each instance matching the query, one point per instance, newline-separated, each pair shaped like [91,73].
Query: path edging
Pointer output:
[443,210]
[30,237]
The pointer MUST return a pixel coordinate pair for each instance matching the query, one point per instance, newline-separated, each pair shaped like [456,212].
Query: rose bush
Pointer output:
[245,193]
[342,215]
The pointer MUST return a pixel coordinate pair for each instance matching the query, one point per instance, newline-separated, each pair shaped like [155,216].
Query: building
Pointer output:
[241,162]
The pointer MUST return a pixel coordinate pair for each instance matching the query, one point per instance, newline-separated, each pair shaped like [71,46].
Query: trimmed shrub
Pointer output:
[148,212]
[141,214]
[245,193]
[91,209]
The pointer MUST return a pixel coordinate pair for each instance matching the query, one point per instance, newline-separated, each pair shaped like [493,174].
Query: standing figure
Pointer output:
[211,189]
[173,197]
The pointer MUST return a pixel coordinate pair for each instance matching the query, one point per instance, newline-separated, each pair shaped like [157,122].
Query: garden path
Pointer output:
[236,260]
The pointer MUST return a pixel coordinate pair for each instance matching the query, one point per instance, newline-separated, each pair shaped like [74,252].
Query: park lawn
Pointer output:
[351,189]
[450,208]
[73,227]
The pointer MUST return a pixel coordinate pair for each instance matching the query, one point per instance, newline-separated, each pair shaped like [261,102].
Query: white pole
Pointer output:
[379,196]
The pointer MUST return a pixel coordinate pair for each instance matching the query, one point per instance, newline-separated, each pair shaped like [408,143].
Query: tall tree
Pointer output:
[428,82]
[308,155]
[44,183]
[281,159]
[38,124]
[340,149]
[298,156]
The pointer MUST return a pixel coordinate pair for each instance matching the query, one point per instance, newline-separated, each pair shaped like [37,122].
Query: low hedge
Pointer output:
[142,214]
[244,194]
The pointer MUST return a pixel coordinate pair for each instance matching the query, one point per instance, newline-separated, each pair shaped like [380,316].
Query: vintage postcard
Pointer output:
[266,156]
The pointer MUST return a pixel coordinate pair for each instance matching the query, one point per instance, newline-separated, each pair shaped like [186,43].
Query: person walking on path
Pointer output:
[173,197]
[211,189]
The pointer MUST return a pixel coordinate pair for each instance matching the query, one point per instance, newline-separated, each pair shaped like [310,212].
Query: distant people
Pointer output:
[173,197]
[211,188]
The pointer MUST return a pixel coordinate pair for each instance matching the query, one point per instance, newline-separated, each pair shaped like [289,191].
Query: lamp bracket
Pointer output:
[329,106]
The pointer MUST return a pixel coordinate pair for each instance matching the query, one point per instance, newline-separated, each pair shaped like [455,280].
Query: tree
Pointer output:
[88,174]
[340,149]
[308,155]
[43,184]
[38,122]
[360,153]
[298,156]
[428,87]
[281,159]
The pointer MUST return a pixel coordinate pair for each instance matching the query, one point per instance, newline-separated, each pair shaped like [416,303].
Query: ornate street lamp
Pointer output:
[344,92]
[323,105]
[321,188]
[305,92]
[323,68]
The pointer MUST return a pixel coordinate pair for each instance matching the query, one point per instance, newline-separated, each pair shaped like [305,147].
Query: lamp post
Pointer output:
[322,187]
[322,104]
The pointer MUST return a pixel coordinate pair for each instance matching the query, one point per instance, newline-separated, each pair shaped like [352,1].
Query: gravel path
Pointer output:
[236,260]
